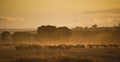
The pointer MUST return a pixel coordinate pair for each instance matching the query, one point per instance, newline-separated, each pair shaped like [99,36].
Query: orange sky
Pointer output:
[71,13]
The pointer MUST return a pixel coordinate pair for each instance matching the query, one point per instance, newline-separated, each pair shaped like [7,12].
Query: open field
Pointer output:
[8,53]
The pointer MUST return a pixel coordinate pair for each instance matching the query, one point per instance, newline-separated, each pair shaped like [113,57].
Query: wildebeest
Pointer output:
[26,47]
[21,47]
[65,47]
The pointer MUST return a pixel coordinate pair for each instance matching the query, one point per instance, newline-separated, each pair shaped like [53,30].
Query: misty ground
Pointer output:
[8,53]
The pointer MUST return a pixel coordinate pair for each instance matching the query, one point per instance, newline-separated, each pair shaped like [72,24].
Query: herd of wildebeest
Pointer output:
[63,46]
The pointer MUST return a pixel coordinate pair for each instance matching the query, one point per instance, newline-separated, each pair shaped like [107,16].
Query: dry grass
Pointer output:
[58,58]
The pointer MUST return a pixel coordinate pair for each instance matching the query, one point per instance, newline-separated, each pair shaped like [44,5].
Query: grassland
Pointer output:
[9,54]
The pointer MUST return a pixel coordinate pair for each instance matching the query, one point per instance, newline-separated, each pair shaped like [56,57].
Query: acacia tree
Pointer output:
[52,32]
[63,32]
[46,32]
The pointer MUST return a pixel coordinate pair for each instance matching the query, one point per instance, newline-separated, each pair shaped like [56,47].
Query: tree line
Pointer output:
[53,33]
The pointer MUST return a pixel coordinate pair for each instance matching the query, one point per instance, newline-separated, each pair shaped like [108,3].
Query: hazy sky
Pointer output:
[71,13]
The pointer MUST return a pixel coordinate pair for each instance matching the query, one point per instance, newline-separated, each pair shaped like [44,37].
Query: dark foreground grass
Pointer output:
[59,59]
[56,60]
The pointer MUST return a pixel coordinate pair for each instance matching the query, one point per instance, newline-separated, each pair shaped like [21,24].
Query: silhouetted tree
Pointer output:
[52,33]
[5,36]
[64,32]
[86,27]
[46,29]
[77,28]
[46,32]
[94,26]
[22,36]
